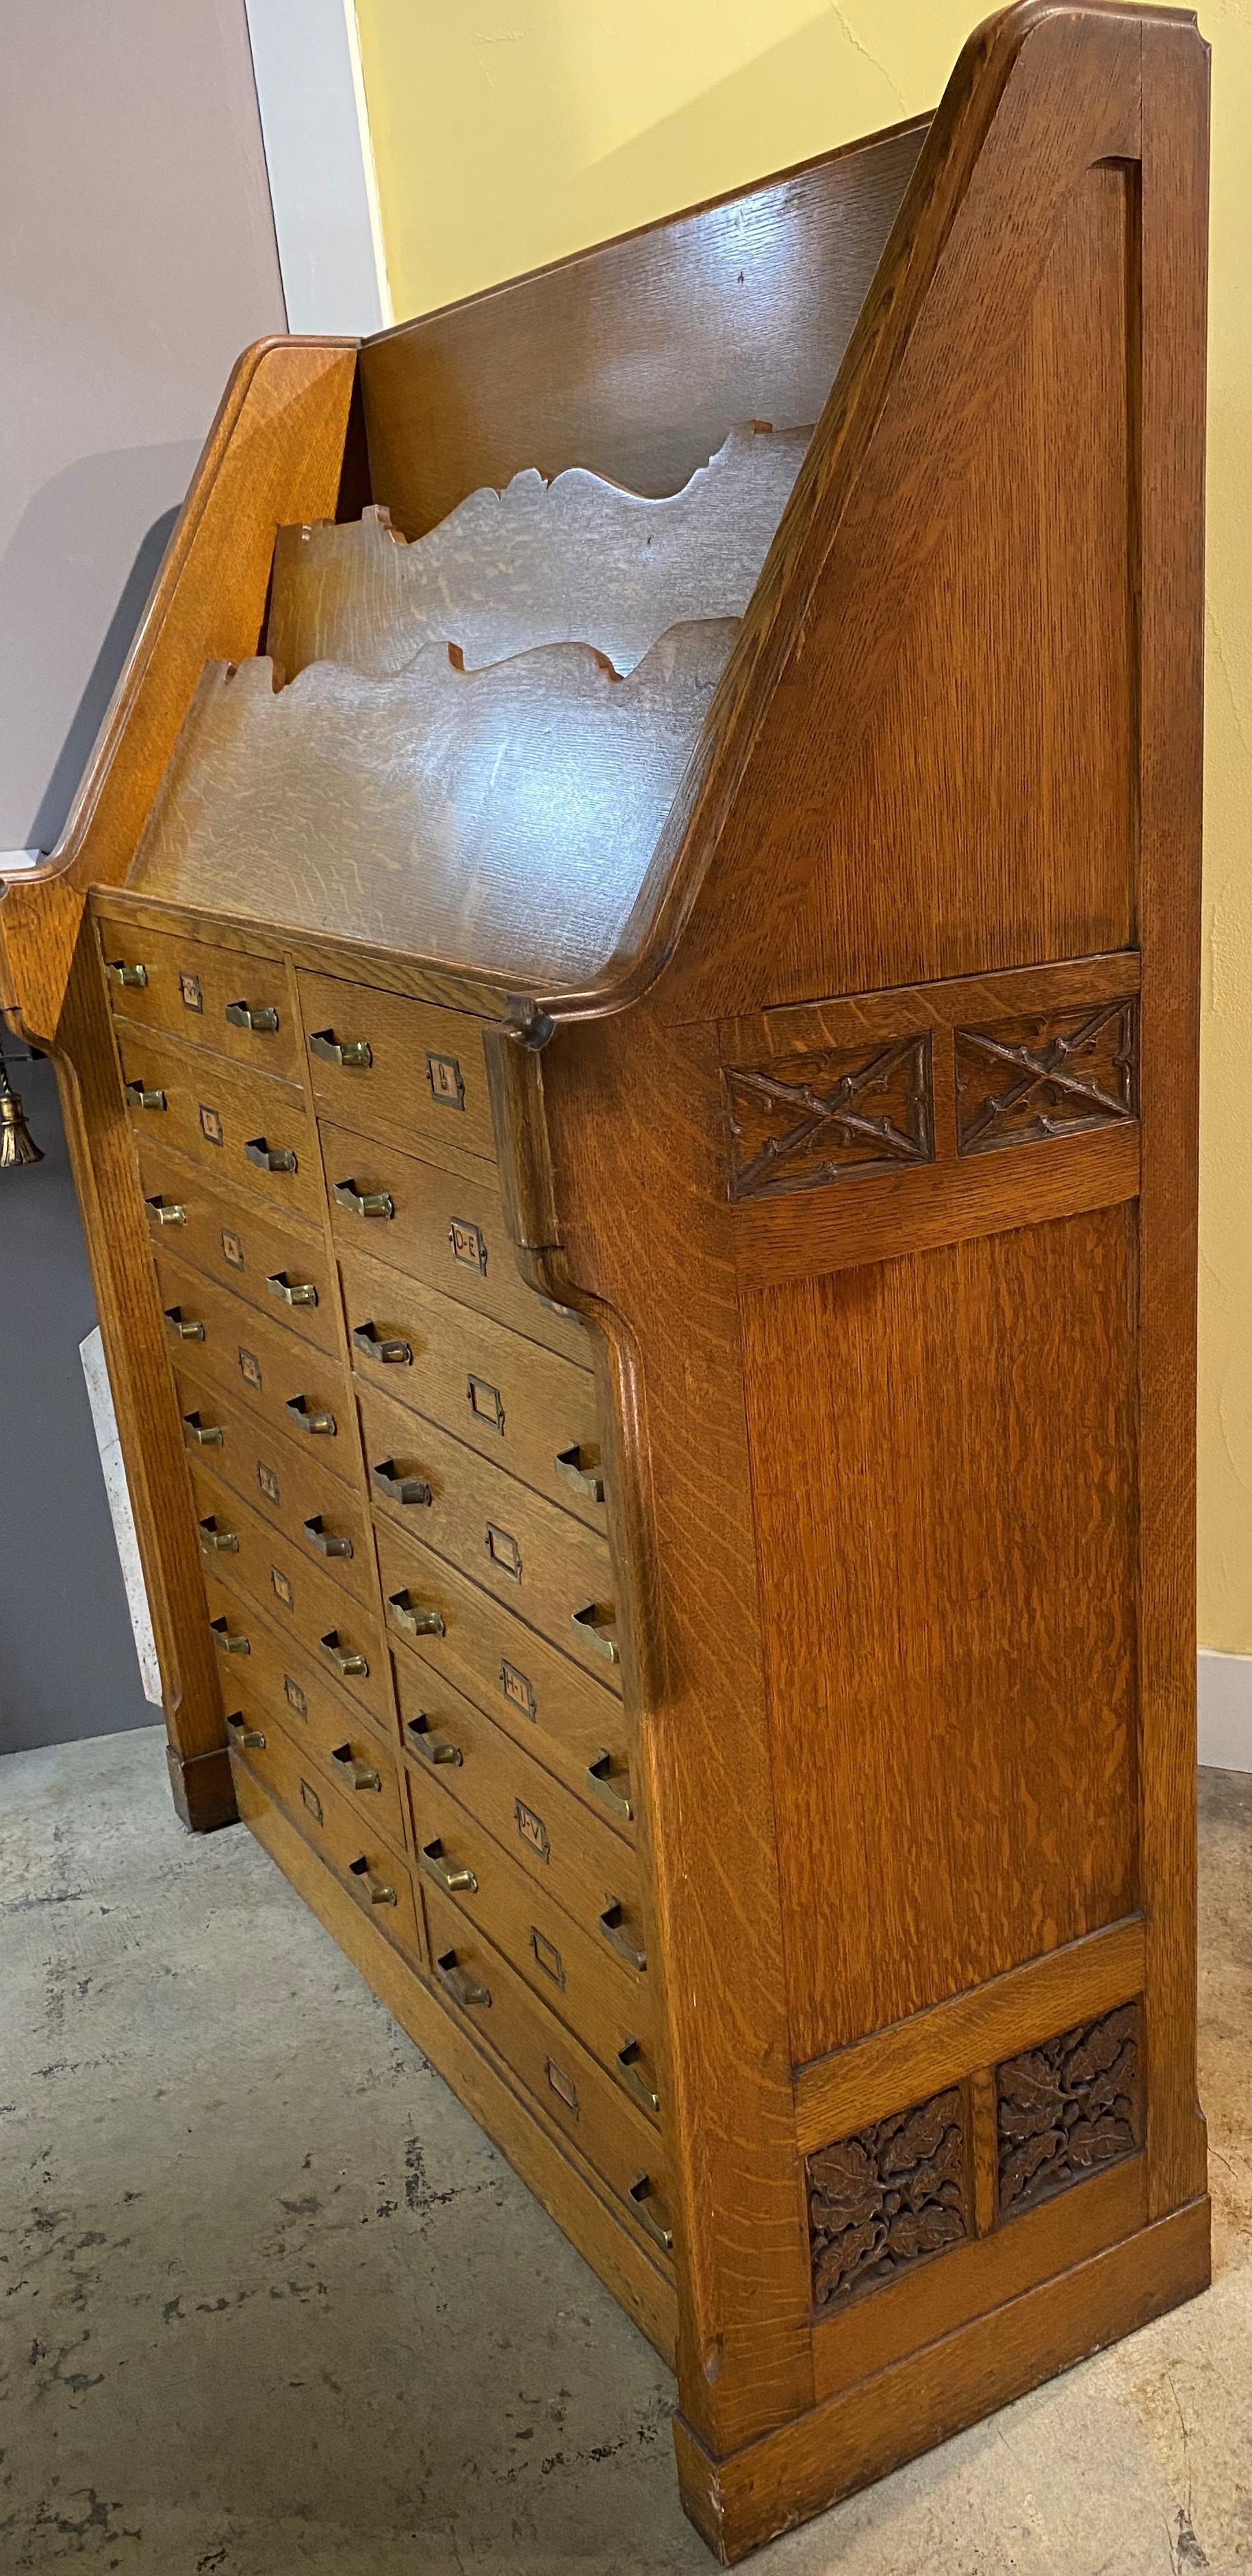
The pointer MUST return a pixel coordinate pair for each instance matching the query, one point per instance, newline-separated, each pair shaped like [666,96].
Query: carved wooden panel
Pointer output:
[888,2197]
[824,1117]
[1025,1079]
[1069,2108]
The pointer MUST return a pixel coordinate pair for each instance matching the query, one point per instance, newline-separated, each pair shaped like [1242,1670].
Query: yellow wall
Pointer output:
[506,132]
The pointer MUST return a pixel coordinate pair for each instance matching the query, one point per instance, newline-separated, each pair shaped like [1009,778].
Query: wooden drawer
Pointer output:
[331,1737]
[522,1406]
[617,2141]
[445,1226]
[189,989]
[272,1371]
[297,1596]
[577,1855]
[395,1068]
[278,1668]
[273,1262]
[502,1666]
[215,1112]
[289,1488]
[434,1714]
[583,1977]
[539,1561]
[345,1838]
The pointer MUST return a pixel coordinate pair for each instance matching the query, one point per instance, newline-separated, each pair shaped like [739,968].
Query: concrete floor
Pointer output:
[270,2303]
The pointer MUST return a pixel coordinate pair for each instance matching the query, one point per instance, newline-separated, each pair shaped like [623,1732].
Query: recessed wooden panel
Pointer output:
[943,1460]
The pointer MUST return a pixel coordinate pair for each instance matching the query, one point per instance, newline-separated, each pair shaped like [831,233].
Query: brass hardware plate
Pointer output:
[232,1248]
[249,1368]
[345,1054]
[280,1584]
[191,992]
[210,1121]
[262,1023]
[397,1488]
[270,1158]
[468,1246]
[503,1550]
[364,1202]
[485,1402]
[443,1073]
[269,1484]
[394,1351]
[547,1956]
[289,1292]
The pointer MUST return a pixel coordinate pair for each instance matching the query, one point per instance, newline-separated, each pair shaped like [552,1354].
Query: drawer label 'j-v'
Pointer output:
[532,1829]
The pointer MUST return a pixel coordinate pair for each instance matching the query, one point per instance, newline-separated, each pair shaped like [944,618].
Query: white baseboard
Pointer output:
[1224,1701]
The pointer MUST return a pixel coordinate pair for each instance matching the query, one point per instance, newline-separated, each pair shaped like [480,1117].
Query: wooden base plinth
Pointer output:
[202,1789]
[815,2461]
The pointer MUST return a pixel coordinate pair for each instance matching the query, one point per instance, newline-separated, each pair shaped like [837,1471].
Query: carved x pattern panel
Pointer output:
[1023,1080]
[831,1116]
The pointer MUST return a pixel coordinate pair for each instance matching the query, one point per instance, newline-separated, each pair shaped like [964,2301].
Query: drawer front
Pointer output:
[396,1069]
[448,1230]
[502,1666]
[539,1561]
[322,1518]
[334,1746]
[578,1974]
[288,1386]
[578,1856]
[298,1597]
[278,1671]
[223,1117]
[521,1406]
[189,989]
[621,2146]
[441,1728]
[346,1839]
[276,1263]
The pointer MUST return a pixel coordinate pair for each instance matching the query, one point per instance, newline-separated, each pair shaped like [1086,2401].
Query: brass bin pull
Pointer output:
[637,2076]
[345,1052]
[206,1435]
[463,1988]
[140,1097]
[622,1936]
[327,1542]
[230,1645]
[364,1202]
[446,1874]
[348,1664]
[181,1327]
[270,1158]
[291,1292]
[216,1541]
[165,1211]
[393,1351]
[596,1624]
[134,977]
[358,1774]
[397,1488]
[651,2212]
[301,1411]
[376,1888]
[248,1738]
[582,1476]
[432,1747]
[403,1613]
[242,1016]
[604,1781]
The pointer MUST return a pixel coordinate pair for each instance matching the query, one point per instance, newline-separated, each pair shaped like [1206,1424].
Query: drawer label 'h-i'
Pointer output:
[517,1689]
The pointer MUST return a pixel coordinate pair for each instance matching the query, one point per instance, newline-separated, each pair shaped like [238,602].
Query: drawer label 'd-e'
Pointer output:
[467,1244]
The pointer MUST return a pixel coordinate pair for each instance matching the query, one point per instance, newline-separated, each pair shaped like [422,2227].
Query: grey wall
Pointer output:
[137,258]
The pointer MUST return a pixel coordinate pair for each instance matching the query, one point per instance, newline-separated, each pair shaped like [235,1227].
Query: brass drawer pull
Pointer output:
[597,1626]
[165,1211]
[397,1488]
[603,1780]
[348,1664]
[463,1988]
[230,1645]
[376,1888]
[358,1774]
[637,2076]
[291,1292]
[344,1052]
[216,1541]
[299,1408]
[206,1435]
[622,1936]
[364,1202]
[651,2212]
[267,1158]
[376,1346]
[133,977]
[141,1098]
[180,1327]
[327,1542]
[446,1874]
[432,1747]
[581,1478]
[248,1738]
[403,1613]
[262,1023]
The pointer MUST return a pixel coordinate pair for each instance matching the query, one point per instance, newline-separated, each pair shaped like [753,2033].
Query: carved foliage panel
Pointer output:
[1069,2108]
[1022,1080]
[836,1114]
[884,2199]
